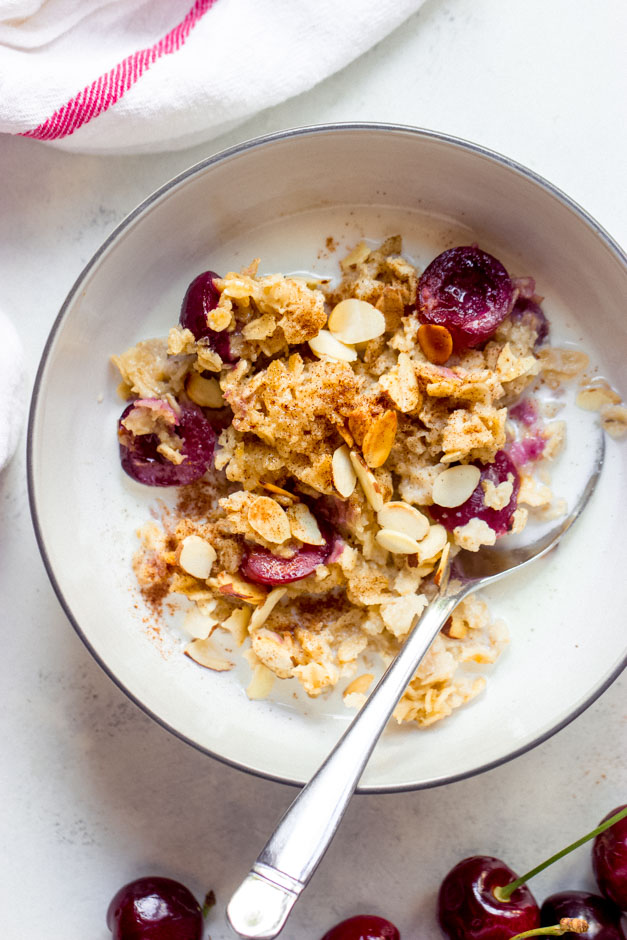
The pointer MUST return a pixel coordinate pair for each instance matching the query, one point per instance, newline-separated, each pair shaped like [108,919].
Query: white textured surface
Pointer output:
[93,792]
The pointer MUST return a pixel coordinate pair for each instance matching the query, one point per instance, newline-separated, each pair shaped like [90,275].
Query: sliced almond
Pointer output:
[397,542]
[401,517]
[205,654]
[454,486]
[234,586]
[379,439]
[356,321]
[359,684]
[261,683]
[433,544]
[455,629]
[368,481]
[326,346]
[237,624]
[344,476]
[261,614]
[203,391]
[272,488]
[269,520]
[441,573]
[436,343]
[198,623]
[303,524]
[345,434]
[196,556]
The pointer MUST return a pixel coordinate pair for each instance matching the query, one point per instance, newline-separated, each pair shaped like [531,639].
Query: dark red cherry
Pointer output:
[201,297]
[363,927]
[468,909]
[609,860]
[468,291]
[474,507]
[532,314]
[138,452]
[604,918]
[155,909]
[261,566]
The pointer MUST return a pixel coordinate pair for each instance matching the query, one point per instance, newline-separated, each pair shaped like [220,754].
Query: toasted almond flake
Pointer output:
[269,520]
[456,629]
[433,544]
[594,397]
[401,517]
[357,256]
[396,542]
[235,586]
[345,434]
[205,654]
[356,321]
[199,623]
[303,525]
[368,481]
[261,683]
[359,684]
[202,391]
[344,476]
[441,573]
[261,614]
[379,439]
[326,346]
[436,343]
[196,556]
[237,624]
[454,486]
[272,488]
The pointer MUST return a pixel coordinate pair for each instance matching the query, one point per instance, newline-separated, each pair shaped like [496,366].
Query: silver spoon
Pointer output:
[261,905]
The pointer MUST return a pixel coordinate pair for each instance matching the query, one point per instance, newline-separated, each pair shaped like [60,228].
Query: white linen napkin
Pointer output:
[131,76]
[12,389]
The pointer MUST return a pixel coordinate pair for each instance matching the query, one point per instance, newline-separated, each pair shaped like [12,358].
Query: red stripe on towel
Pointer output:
[110,87]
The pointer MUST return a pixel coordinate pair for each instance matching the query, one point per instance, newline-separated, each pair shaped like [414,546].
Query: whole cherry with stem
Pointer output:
[602,916]
[482,899]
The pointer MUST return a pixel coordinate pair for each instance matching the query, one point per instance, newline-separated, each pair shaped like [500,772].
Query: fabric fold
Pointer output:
[131,76]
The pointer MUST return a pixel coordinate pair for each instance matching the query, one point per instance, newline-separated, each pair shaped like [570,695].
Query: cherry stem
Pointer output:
[566,925]
[505,892]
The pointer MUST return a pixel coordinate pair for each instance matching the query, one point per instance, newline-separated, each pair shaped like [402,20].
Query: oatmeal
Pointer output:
[335,446]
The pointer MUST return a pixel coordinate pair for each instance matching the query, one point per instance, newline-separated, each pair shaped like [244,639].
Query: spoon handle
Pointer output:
[260,906]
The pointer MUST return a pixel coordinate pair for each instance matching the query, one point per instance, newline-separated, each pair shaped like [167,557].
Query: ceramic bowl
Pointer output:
[280,198]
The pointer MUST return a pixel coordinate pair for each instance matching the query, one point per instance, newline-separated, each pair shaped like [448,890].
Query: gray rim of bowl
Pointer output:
[219,157]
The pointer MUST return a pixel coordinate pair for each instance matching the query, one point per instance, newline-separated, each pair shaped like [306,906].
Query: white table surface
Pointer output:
[93,792]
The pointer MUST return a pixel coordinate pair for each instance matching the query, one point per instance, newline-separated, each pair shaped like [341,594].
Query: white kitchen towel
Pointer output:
[12,389]
[132,76]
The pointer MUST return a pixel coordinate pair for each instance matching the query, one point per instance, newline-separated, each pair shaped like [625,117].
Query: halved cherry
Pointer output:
[468,291]
[201,298]
[142,461]
[262,567]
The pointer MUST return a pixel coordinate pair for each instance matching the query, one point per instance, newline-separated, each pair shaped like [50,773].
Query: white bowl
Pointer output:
[279,198]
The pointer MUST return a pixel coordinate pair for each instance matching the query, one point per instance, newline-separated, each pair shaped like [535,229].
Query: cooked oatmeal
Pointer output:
[335,445]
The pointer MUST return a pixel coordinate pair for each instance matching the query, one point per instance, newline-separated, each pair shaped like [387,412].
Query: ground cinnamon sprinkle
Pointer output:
[306,446]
